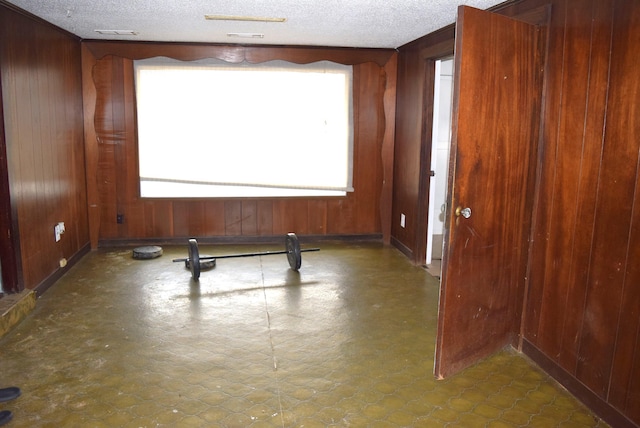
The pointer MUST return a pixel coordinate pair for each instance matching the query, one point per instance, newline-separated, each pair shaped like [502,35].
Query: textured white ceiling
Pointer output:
[347,23]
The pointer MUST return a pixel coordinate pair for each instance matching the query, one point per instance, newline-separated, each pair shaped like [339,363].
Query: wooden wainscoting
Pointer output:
[110,128]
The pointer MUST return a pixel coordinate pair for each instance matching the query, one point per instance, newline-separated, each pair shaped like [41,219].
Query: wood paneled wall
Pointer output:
[112,163]
[582,309]
[42,97]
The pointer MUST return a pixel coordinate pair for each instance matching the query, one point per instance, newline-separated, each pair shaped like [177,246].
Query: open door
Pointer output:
[496,108]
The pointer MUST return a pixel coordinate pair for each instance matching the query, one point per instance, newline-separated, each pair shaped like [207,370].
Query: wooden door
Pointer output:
[496,103]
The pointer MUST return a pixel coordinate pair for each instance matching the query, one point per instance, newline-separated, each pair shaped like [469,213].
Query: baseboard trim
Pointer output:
[51,279]
[266,239]
[599,406]
[403,248]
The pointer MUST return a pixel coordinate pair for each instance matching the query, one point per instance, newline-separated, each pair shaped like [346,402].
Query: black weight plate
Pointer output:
[206,262]
[293,251]
[194,257]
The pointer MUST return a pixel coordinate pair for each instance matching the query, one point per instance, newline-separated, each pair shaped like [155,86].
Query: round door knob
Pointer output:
[464,212]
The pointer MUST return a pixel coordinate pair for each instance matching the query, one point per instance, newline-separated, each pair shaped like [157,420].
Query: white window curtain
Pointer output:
[210,128]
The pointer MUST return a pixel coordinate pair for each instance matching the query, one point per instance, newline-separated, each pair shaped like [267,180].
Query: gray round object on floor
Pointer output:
[147,252]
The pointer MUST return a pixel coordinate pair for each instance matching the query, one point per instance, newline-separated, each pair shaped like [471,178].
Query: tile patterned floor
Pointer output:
[346,342]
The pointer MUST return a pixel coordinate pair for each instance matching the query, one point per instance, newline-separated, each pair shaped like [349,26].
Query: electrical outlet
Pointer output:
[402,220]
[58,230]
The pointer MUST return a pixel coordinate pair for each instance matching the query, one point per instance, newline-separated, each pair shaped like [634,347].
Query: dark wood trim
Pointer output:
[237,53]
[270,239]
[8,253]
[429,57]
[90,145]
[387,151]
[526,11]
[536,174]
[424,183]
[444,34]
[413,141]
[603,409]
[402,248]
[56,275]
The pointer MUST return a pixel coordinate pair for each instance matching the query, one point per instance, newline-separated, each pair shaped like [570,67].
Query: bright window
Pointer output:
[225,130]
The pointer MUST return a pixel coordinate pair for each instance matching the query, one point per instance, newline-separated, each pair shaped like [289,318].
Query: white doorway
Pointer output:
[441,143]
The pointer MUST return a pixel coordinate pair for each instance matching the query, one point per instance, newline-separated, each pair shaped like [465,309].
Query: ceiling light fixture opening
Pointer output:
[243,18]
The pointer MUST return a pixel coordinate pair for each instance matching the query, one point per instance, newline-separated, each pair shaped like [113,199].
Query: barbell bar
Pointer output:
[292,250]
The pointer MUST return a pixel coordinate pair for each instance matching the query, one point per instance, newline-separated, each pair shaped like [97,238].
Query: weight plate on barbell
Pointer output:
[294,256]
[206,262]
[194,256]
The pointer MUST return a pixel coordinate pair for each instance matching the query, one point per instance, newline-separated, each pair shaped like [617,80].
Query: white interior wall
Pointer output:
[441,141]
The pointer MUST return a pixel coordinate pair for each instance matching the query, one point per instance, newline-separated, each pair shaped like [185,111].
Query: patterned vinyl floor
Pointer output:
[346,342]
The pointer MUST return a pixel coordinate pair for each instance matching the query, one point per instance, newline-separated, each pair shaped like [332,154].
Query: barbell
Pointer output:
[292,250]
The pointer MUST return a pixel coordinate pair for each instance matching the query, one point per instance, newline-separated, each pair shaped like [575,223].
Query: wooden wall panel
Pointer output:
[249,211]
[386,197]
[317,217]
[290,216]
[116,192]
[410,88]
[159,217]
[340,215]
[564,179]
[42,95]
[265,216]
[214,221]
[579,312]
[610,288]
[233,218]
[368,157]
[589,167]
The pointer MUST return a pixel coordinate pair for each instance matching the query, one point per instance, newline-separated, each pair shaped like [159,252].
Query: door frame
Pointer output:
[428,58]
[434,171]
